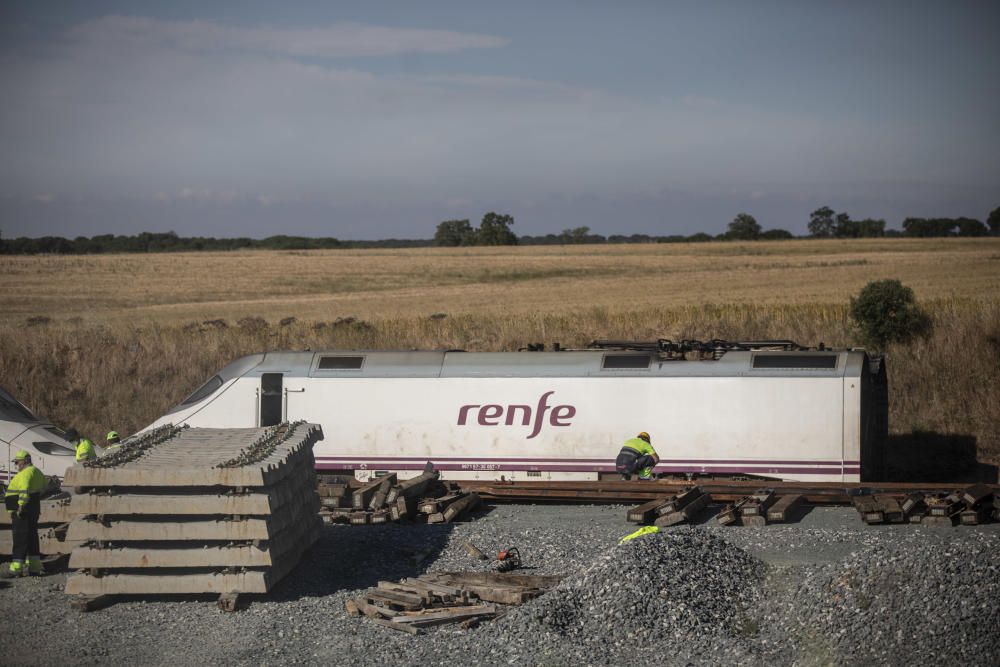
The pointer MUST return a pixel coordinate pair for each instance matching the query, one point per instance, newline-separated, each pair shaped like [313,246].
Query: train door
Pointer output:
[271,402]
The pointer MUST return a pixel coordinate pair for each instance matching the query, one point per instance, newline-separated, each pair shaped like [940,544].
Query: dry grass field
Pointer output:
[112,341]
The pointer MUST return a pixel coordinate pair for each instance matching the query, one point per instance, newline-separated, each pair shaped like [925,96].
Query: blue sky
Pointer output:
[381,119]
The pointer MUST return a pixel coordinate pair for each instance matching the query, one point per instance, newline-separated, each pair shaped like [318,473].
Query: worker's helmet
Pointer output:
[644,436]
[72,434]
[22,456]
[113,437]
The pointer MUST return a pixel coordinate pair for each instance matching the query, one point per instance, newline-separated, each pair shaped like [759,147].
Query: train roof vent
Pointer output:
[630,361]
[353,363]
[797,361]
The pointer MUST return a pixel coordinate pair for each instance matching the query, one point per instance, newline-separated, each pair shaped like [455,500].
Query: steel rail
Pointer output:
[615,491]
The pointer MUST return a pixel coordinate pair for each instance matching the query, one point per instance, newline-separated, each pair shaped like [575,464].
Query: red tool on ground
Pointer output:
[508,559]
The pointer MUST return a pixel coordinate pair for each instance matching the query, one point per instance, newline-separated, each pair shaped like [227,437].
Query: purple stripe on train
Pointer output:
[497,467]
[762,462]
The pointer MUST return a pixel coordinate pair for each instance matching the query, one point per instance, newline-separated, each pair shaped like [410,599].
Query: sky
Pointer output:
[377,119]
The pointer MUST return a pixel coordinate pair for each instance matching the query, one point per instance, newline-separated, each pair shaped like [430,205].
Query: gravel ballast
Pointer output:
[828,590]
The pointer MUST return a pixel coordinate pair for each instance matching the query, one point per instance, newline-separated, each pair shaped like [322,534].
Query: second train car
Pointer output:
[767,410]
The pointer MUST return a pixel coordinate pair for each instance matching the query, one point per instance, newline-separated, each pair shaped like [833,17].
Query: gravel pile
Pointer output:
[902,602]
[827,591]
[663,598]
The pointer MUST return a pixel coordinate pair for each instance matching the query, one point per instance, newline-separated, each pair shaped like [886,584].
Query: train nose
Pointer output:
[50,453]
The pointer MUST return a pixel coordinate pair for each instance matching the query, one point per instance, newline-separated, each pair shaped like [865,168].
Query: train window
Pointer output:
[803,361]
[53,449]
[340,363]
[615,361]
[204,391]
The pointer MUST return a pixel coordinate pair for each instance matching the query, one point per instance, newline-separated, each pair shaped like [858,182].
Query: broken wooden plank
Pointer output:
[466,504]
[784,507]
[373,611]
[543,581]
[361,497]
[399,587]
[432,617]
[359,518]
[326,490]
[913,503]
[975,516]
[892,512]
[378,500]
[402,508]
[947,506]
[396,598]
[432,591]
[977,495]
[690,509]
[471,549]
[413,487]
[435,505]
[730,514]
[402,627]
[679,501]
[869,509]
[645,513]
[758,503]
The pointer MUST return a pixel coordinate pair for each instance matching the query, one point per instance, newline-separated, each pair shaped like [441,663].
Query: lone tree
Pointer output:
[495,230]
[744,228]
[455,233]
[821,223]
[886,311]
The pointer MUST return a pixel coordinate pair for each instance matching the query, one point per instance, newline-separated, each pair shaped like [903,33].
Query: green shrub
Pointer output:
[886,311]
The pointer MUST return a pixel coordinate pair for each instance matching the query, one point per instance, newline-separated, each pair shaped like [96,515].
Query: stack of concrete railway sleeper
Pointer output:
[195,510]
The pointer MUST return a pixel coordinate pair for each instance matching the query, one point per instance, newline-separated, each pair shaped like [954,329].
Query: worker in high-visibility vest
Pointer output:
[23,501]
[84,447]
[637,456]
[113,441]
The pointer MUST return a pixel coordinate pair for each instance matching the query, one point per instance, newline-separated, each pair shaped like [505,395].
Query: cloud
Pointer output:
[335,41]
[205,116]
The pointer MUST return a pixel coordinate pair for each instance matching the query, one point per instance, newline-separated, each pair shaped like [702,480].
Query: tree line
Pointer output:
[171,242]
[495,229]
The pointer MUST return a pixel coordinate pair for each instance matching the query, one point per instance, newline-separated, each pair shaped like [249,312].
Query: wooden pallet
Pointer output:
[437,599]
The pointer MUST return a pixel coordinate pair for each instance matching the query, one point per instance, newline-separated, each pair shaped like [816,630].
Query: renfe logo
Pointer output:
[491,414]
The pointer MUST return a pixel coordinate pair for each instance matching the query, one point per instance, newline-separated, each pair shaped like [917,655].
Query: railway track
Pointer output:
[618,492]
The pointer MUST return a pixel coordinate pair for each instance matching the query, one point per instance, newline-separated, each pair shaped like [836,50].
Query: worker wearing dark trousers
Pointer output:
[23,501]
[637,456]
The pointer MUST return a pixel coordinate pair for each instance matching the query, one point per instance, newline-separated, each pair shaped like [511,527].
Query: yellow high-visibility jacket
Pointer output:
[27,483]
[85,450]
[640,445]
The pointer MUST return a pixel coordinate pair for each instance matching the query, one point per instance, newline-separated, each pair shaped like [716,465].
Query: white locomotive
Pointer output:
[768,409]
[21,429]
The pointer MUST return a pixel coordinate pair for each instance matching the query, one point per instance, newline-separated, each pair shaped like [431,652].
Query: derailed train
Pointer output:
[21,429]
[767,409]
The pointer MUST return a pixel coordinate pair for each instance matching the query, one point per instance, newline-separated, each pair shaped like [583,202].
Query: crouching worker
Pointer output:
[24,501]
[637,456]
